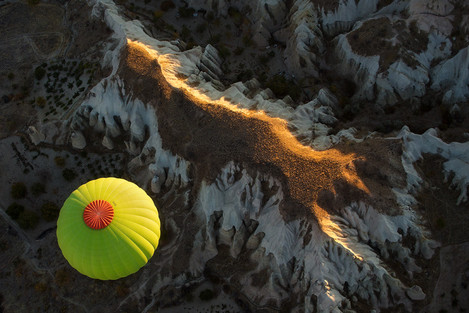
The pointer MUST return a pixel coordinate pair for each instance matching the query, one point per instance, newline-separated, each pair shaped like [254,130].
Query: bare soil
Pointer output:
[210,136]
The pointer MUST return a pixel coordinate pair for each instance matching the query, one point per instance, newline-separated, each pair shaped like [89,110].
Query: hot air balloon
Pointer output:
[108,228]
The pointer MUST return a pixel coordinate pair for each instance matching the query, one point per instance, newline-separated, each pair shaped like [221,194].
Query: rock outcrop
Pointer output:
[244,200]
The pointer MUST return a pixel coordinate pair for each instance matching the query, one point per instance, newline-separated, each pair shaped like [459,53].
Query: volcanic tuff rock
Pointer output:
[239,206]
[246,204]
[387,52]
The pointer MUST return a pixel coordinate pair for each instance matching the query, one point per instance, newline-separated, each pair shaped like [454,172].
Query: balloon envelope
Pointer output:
[108,228]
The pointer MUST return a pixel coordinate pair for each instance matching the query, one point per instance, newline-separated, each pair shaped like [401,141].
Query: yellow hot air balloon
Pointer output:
[108,228]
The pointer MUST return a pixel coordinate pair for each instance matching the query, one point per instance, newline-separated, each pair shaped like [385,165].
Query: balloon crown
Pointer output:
[98,214]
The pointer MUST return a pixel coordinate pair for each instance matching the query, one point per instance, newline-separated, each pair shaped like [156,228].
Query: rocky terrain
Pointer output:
[305,156]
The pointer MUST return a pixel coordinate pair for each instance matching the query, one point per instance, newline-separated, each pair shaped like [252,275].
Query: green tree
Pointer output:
[50,211]
[14,210]
[167,5]
[186,12]
[59,161]
[38,188]
[69,174]
[41,102]
[206,295]
[39,72]
[18,190]
[282,86]
[28,219]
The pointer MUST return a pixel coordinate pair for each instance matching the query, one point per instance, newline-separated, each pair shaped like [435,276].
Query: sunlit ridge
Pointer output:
[343,164]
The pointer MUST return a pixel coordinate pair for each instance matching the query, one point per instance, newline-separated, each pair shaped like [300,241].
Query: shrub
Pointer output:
[186,12]
[167,5]
[41,102]
[28,219]
[59,161]
[235,15]
[14,210]
[282,87]
[62,277]
[201,27]
[210,16]
[39,72]
[440,223]
[213,40]
[38,188]
[206,295]
[245,75]
[157,14]
[223,51]
[18,190]
[247,41]
[185,32]
[263,59]
[69,174]
[40,286]
[50,211]
[238,50]
[122,290]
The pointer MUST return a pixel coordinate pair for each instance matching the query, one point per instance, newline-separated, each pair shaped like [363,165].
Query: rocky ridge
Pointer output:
[236,229]
[221,212]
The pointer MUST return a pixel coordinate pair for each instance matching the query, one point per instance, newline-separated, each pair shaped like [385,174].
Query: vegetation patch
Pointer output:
[14,210]
[69,174]
[38,189]
[18,190]
[373,38]
[281,87]
[50,211]
[206,295]
[28,219]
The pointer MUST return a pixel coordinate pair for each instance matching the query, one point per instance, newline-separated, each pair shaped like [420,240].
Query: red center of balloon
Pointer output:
[98,214]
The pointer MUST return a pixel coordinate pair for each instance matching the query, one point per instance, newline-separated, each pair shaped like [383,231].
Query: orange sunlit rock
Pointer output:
[307,172]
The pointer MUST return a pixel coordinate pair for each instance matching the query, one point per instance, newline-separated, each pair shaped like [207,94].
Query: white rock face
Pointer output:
[78,140]
[361,69]
[107,142]
[456,154]
[453,75]
[349,256]
[415,293]
[268,13]
[109,100]
[312,121]
[327,263]
[382,85]
[35,135]
[406,81]
[432,15]
[347,13]
[305,45]
[210,63]
[400,80]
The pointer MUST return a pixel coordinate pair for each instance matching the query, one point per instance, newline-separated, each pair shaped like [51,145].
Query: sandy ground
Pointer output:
[452,286]
[222,303]
[41,36]
[27,164]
